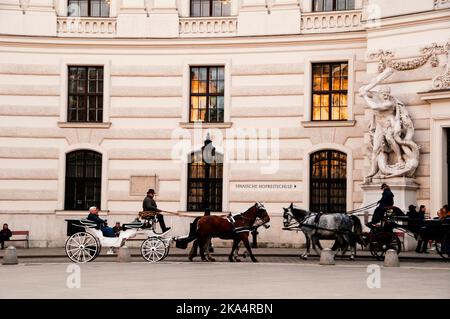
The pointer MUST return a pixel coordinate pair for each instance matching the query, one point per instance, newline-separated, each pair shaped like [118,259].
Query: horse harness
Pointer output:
[316,224]
[240,229]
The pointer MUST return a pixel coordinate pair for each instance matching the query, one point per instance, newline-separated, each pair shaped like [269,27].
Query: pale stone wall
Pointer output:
[267,85]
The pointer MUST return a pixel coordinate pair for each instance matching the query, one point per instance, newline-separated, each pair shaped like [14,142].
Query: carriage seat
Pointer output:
[133,225]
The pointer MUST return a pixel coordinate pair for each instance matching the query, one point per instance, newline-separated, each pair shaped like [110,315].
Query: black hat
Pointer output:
[151,191]
[411,207]
[384,185]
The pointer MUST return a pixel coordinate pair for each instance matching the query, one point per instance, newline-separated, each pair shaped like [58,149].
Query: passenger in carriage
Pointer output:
[117,228]
[387,200]
[93,216]
[443,213]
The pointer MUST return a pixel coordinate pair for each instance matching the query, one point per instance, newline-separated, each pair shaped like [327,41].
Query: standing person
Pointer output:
[5,234]
[149,204]
[412,213]
[421,241]
[93,216]
[387,200]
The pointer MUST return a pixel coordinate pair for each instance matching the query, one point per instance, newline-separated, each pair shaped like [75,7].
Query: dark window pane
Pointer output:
[83,180]
[85,100]
[328,185]
[205,7]
[350,5]
[332,5]
[195,9]
[204,183]
[328,5]
[207,90]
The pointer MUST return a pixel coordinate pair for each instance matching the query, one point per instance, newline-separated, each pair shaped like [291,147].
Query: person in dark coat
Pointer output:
[149,204]
[417,224]
[387,200]
[93,216]
[5,234]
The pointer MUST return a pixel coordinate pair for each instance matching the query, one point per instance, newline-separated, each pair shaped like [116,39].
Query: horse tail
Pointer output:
[357,228]
[193,227]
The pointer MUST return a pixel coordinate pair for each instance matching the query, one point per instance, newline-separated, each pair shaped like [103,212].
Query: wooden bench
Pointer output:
[25,233]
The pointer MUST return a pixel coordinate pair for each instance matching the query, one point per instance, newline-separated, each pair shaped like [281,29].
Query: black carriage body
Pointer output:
[78,225]
[434,229]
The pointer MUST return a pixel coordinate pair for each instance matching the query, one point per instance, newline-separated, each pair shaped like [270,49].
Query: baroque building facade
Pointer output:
[101,100]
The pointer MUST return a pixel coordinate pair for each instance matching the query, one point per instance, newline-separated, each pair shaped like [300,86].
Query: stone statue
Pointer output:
[394,153]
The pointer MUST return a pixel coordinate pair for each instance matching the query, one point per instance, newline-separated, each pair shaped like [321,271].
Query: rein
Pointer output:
[184,215]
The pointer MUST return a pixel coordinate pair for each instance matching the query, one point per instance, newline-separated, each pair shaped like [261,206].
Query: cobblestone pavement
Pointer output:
[274,277]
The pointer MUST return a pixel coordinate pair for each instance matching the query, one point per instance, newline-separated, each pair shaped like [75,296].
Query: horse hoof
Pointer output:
[352,258]
[304,257]
[254,260]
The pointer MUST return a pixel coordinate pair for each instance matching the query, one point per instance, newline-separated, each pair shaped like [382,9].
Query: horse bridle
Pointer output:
[258,207]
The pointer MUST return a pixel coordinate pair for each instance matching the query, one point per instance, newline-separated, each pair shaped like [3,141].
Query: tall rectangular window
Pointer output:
[329,91]
[333,5]
[207,94]
[85,94]
[210,8]
[88,8]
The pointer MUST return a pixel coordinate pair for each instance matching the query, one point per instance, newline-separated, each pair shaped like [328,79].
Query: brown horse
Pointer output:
[235,227]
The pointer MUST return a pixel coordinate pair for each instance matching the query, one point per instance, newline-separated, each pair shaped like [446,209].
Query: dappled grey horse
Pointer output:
[345,229]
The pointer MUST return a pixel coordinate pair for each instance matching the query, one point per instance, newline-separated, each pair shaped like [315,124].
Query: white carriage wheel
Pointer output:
[82,247]
[153,249]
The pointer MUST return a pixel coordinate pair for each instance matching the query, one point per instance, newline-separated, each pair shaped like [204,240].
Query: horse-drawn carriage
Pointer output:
[382,238]
[346,230]
[86,239]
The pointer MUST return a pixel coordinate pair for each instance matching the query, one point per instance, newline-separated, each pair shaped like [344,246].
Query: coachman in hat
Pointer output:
[149,204]
[387,200]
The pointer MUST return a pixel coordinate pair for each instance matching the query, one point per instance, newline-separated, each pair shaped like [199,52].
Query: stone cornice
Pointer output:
[183,43]
[435,95]
[418,18]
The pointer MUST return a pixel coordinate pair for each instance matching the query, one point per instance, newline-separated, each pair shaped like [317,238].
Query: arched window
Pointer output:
[205,170]
[83,180]
[328,181]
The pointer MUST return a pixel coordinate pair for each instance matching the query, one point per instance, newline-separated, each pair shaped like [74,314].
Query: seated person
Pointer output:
[149,204]
[117,228]
[443,213]
[5,234]
[387,200]
[93,216]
